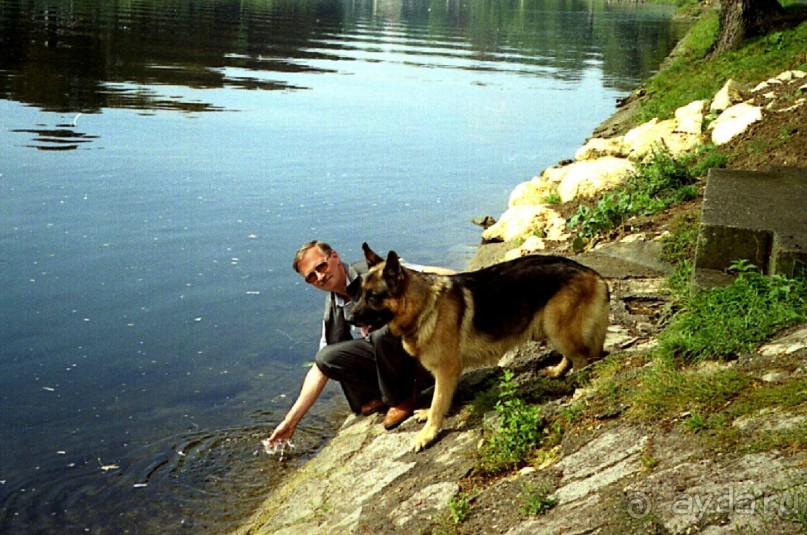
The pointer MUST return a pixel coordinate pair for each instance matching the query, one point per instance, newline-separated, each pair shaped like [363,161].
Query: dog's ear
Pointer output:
[394,273]
[370,256]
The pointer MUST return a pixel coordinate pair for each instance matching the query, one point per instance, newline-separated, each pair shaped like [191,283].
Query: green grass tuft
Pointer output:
[722,322]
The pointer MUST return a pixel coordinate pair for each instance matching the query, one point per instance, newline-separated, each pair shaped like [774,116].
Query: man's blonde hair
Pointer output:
[321,245]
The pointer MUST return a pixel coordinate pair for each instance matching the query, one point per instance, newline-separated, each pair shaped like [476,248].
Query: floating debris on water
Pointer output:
[107,467]
[49,388]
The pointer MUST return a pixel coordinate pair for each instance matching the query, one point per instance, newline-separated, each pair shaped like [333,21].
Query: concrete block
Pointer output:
[759,216]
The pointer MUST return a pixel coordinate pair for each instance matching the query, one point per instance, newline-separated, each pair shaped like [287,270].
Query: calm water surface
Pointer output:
[160,163]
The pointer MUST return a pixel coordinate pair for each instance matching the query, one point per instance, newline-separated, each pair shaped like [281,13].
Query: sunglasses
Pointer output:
[321,268]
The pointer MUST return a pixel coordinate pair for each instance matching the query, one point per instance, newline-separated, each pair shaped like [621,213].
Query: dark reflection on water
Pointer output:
[64,137]
[83,56]
[161,160]
[86,55]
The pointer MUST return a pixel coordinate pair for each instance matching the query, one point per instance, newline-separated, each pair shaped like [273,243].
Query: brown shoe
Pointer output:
[372,407]
[396,415]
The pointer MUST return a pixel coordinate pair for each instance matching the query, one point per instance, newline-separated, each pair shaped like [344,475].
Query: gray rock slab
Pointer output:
[621,260]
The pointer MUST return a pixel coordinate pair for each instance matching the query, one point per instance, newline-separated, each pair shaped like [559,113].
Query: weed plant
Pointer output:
[537,499]
[517,433]
[553,198]
[459,507]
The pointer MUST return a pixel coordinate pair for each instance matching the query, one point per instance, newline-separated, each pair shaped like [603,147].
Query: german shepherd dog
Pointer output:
[467,320]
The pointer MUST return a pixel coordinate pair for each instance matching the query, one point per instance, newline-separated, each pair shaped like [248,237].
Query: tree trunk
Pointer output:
[741,19]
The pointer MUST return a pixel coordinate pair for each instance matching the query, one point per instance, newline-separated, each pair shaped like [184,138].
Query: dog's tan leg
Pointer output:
[445,382]
[553,372]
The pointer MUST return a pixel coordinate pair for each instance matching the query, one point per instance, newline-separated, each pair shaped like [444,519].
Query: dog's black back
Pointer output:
[508,295]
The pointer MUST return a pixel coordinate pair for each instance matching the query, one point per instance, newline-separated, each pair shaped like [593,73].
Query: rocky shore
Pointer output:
[611,474]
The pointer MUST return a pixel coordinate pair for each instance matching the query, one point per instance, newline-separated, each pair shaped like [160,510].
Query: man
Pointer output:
[374,370]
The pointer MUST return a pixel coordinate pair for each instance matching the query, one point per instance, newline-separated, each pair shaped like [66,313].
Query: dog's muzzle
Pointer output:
[364,317]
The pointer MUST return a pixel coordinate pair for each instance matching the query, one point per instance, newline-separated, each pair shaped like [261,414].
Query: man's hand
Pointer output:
[282,432]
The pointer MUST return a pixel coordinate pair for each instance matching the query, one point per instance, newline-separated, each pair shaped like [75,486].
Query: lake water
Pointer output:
[161,162]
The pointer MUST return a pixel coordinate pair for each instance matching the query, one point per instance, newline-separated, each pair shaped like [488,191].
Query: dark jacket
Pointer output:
[335,326]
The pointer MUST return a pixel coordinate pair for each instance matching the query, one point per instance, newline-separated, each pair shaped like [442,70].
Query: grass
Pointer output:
[678,247]
[694,75]
[666,391]
[723,322]
[537,499]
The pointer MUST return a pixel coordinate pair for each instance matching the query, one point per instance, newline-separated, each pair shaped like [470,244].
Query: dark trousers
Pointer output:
[374,367]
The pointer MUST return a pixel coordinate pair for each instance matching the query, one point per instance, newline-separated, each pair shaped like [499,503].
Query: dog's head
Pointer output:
[381,290]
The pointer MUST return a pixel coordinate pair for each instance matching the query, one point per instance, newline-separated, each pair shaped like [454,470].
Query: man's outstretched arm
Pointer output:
[312,387]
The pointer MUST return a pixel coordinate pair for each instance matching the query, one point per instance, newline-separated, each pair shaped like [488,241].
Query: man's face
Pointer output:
[325,271]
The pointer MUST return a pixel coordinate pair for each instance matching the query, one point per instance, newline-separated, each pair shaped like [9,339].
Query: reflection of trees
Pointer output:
[77,55]
[71,57]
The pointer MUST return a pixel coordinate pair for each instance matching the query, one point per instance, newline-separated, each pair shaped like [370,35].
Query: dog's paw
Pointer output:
[553,372]
[423,439]
[421,415]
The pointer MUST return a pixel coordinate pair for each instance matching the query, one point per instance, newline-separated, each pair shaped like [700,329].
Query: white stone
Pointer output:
[690,117]
[644,138]
[679,143]
[731,93]
[791,75]
[554,174]
[760,87]
[734,121]
[590,177]
[531,245]
[599,147]
[520,221]
[530,193]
